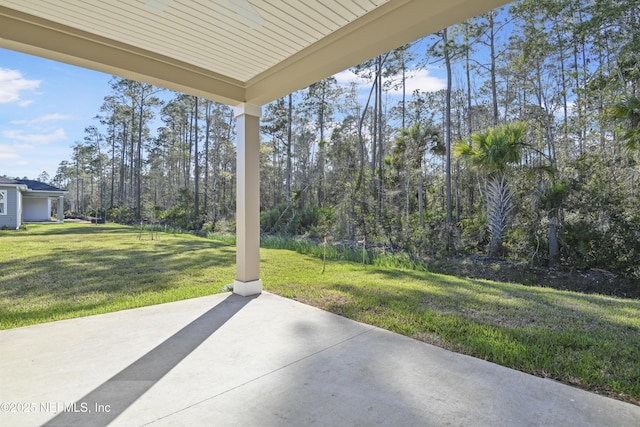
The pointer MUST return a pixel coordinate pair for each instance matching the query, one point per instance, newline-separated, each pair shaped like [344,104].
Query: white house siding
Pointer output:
[36,209]
[12,217]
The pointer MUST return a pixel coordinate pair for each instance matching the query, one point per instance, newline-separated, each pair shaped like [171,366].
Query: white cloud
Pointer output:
[46,118]
[12,83]
[346,77]
[8,153]
[423,81]
[418,79]
[8,156]
[18,135]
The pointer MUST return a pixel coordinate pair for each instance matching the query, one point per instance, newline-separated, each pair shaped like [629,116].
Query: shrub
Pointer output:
[121,214]
[293,220]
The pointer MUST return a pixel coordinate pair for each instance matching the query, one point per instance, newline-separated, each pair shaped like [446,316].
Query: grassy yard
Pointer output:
[57,271]
[590,341]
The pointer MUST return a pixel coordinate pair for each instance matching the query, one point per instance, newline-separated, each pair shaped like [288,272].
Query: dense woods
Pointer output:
[529,151]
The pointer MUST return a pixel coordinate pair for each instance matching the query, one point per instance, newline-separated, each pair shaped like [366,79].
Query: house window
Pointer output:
[3,202]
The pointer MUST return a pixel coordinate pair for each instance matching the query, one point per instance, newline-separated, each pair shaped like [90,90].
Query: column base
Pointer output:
[246,289]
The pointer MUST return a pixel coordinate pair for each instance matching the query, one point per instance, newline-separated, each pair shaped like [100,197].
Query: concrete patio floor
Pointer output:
[226,360]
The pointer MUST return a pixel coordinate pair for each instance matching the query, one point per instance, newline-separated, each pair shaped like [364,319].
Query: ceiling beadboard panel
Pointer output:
[212,34]
[231,51]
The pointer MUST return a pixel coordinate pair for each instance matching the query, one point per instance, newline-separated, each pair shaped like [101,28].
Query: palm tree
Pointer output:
[492,152]
[628,113]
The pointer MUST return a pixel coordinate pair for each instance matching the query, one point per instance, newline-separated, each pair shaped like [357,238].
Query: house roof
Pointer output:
[38,186]
[30,185]
[8,181]
[232,51]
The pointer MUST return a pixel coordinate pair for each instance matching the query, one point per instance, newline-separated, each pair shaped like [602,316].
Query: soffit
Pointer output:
[213,48]
[41,194]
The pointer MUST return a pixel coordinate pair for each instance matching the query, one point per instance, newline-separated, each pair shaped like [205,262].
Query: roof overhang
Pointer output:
[39,193]
[28,26]
[20,187]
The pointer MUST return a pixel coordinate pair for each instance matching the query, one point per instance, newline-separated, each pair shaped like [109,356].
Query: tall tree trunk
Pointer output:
[77,179]
[457,192]
[123,155]
[216,173]
[554,247]
[189,150]
[380,141]
[374,133]
[196,169]
[420,197]
[578,46]
[113,166]
[404,91]
[321,148]
[131,152]
[289,147]
[563,80]
[494,88]
[139,157]
[470,128]
[206,155]
[447,130]
[407,200]
[467,69]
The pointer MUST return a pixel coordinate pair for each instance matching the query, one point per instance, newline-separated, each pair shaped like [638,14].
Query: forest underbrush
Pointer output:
[588,281]
[474,266]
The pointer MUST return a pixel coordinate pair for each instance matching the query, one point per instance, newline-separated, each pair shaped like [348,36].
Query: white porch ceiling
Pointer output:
[211,49]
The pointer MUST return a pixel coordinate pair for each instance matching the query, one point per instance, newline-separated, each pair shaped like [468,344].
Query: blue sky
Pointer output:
[44,108]
[46,105]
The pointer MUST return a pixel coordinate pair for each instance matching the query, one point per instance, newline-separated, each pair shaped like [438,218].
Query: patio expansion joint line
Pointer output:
[266,374]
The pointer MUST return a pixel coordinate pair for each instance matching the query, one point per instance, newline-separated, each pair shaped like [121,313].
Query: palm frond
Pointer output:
[627,113]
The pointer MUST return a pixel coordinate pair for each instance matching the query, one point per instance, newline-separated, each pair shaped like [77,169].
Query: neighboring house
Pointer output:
[25,200]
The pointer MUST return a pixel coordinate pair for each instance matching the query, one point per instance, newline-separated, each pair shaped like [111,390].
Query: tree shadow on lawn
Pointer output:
[537,299]
[68,280]
[55,229]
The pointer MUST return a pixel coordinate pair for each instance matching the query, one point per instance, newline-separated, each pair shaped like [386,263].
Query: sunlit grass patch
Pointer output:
[56,271]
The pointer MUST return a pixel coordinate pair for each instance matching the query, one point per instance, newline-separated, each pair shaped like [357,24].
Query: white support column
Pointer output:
[60,209]
[248,200]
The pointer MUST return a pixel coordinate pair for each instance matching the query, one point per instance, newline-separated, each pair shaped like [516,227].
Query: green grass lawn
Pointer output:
[59,271]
